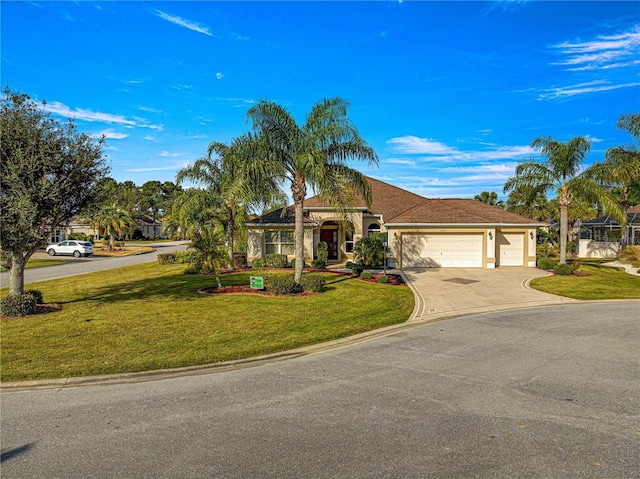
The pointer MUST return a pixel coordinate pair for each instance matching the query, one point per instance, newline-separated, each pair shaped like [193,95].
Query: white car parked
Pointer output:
[73,247]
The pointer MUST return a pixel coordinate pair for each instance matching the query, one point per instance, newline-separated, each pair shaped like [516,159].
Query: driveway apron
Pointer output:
[442,292]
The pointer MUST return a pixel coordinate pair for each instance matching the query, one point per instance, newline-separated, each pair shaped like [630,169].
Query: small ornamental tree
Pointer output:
[49,174]
[370,250]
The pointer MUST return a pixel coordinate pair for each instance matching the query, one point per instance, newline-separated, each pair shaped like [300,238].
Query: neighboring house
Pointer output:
[77,226]
[600,237]
[421,232]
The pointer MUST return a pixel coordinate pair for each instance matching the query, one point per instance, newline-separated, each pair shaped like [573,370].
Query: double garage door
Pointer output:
[442,250]
[459,250]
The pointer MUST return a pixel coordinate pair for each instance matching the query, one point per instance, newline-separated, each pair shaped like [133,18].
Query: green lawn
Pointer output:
[599,282]
[37,263]
[148,317]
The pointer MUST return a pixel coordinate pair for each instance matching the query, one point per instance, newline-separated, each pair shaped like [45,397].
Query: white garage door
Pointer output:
[510,249]
[442,250]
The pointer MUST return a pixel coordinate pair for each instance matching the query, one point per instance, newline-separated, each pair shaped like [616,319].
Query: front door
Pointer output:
[331,238]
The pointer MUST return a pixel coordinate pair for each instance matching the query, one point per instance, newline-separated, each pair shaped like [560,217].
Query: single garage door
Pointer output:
[510,249]
[442,250]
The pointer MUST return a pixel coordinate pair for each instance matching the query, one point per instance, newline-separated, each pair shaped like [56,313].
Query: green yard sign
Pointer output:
[257,282]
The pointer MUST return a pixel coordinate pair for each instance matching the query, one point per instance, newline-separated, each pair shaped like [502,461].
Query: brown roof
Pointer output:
[458,211]
[276,217]
[634,209]
[398,206]
[387,200]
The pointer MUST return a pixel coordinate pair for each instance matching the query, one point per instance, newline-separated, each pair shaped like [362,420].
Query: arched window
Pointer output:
[373,228]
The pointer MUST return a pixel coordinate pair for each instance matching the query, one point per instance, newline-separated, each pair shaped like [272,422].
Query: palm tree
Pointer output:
[315,153]
[559,171]
[110,220]
[210,243]
[621,167]
[490,198]
[224,178]
[191,211]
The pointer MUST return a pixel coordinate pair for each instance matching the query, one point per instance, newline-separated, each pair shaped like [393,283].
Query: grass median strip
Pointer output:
[598,283]
[149,316]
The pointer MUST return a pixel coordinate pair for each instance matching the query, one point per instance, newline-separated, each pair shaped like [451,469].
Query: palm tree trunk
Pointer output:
[299,191]
[230,234]
[624,203]
[564,230]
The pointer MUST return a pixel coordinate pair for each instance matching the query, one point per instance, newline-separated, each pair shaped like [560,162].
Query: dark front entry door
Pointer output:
[331,238]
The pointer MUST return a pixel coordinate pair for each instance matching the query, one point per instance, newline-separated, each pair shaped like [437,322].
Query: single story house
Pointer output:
[605,228]
[422,232]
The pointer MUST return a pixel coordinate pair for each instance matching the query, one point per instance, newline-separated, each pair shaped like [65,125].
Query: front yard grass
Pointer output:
[148,317]
[599,282]
[39,262]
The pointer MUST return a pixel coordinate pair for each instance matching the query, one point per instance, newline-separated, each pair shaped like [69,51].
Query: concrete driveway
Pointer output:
[443,292]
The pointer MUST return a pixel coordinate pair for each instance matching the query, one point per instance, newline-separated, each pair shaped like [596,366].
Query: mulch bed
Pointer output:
[41,309]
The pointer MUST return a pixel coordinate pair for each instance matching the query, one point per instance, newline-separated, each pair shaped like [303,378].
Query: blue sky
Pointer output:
[450,94]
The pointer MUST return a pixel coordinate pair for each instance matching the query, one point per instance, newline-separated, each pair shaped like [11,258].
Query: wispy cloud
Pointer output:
[582,88]
[112,134]
[167,154]
[399,161]
[436,151]
[604,52]
[61,109]
[219,75]
[196,27]
[157,168]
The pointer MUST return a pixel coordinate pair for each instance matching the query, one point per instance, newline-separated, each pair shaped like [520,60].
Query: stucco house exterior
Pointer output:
[421,232]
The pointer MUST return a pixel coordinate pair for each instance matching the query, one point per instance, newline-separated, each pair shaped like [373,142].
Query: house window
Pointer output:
[279,242]
[348,241]
[373,228]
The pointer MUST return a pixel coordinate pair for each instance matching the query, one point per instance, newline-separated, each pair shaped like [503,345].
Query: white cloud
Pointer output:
[112,134]
[149,109]
[219,75]
[398,161]
[61,109]
[166,154]
[440,152]
[196,27]
[582,88]
[605,52]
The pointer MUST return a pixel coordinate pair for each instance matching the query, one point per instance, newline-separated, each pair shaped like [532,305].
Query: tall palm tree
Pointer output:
[315,153]
[191,211]
[221,172]
[621,167]
[560,171]
[112,220]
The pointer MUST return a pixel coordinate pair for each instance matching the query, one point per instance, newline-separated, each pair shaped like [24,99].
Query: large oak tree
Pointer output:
[49,174]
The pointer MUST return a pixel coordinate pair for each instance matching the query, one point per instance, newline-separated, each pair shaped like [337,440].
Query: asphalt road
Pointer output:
[551,392]
[75,266]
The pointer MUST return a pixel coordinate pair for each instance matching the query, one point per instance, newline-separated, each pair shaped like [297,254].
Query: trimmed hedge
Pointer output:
[313,282]
[18,305]
[257,263]
[277,260]
[547,263]
[366,275]
[383,279]
[37,295]
[563,269]
[283,284]
[167,258]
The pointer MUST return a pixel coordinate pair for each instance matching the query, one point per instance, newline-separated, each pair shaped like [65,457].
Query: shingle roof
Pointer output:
[276,217]
[398,206]
[387,200]
[634,209]
[458,211]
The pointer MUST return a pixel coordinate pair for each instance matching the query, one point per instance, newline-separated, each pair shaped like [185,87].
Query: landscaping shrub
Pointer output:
[167,258]
[547,263]
[18,305]
[277,260]
[193,268]
[366,275]
[322,257]
[190,256]
[370,250]
[383,279]
[257,263]
[239,260]
[313,282]
[356,268]
[318,264]
[563,269]
[631,255]
[283,284]
[37,295]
